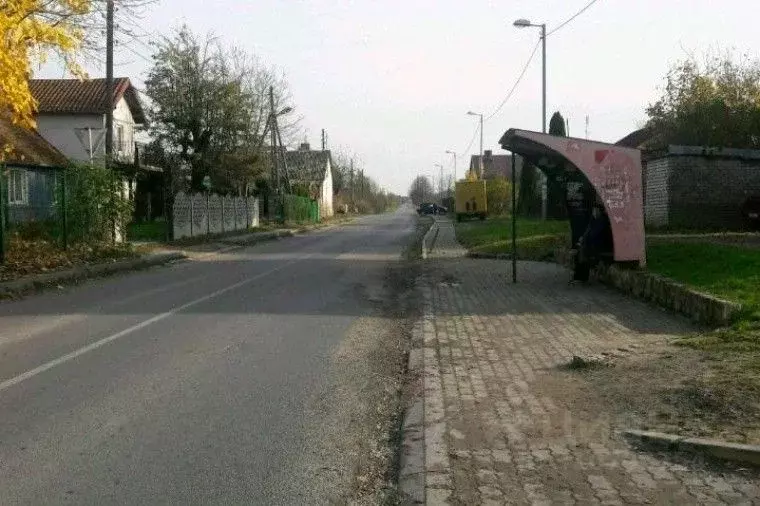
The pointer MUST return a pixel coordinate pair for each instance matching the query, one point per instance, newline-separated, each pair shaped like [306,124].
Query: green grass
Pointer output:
[147,231]
[729,272]
[536,239]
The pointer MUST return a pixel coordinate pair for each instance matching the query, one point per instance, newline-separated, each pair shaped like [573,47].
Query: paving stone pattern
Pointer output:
[491,436]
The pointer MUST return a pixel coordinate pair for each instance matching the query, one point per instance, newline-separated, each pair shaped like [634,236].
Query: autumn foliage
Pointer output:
[29,31]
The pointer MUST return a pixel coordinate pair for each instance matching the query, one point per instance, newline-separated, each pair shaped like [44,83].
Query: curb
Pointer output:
[651,287]
[664,292]
[425,240]
[255,238]
[734,452]
[411,477]
[68,276]
[489,256]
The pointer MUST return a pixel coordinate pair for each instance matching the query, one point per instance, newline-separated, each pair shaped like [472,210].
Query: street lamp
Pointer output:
[470,113]
[449,152]
[440,180]
[525,23]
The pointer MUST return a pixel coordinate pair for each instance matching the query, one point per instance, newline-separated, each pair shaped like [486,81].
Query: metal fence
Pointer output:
[293,208]
[57,206]
[32,205]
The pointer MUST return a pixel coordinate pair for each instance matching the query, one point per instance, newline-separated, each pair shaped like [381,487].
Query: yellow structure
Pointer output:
[470,197]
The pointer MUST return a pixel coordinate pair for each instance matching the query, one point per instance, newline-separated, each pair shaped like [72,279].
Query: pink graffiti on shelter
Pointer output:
[615,174]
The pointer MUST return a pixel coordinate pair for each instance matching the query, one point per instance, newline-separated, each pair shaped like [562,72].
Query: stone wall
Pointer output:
[685,189]
[656,177]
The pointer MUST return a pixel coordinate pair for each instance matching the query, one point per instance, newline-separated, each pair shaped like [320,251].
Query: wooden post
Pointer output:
[64,223]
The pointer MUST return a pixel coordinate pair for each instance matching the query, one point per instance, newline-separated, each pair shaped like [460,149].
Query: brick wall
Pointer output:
[699,191]
[656,181]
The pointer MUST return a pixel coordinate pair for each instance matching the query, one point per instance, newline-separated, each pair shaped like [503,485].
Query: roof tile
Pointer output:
[72,96]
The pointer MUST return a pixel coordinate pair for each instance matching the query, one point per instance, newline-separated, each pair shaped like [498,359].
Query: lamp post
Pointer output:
[470,113]
[448,152]
[525,23]
[440,181]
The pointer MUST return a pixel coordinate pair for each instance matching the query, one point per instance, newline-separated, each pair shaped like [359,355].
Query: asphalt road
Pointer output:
[189,384]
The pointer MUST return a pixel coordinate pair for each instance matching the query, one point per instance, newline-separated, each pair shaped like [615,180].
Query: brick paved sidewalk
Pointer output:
[486,430]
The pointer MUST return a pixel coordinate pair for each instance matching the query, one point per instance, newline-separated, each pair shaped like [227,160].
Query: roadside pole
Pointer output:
[2,214]
[514,221]
[64,223]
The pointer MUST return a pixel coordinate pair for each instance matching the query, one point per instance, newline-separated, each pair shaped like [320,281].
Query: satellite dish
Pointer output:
[91,135]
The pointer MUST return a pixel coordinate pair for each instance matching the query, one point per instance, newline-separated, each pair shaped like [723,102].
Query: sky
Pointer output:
[391,81]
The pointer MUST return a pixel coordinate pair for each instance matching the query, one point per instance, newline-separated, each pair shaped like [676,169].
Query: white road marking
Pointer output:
[150,321]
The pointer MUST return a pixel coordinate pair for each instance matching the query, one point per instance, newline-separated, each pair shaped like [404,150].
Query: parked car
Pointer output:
[751,211]
[429,208]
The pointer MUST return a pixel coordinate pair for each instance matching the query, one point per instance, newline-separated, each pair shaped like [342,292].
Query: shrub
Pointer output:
[95,204]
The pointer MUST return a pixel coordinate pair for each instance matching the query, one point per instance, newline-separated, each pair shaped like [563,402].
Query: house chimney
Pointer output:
[487,154]
[304,147]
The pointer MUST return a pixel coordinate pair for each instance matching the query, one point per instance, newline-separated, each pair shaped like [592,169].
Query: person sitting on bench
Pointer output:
[595,242]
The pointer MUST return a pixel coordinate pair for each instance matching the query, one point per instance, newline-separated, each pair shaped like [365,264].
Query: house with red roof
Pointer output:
[72,117]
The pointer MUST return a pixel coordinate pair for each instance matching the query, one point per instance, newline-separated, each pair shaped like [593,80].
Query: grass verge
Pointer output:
[536,239]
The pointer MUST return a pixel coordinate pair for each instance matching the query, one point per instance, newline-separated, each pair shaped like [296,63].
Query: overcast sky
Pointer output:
[392,80]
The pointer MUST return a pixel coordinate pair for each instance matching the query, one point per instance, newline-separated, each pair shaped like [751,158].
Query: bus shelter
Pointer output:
[593,173]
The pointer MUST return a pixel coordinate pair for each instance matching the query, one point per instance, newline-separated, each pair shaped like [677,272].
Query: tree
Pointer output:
[499,196]
[33,30]
[421,190]
[29,31]
[557,125]
[529,198]
[715,103]
[555,186]
[211,107]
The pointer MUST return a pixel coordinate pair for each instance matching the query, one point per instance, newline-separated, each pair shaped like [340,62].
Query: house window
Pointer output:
[120,139]
[18,187]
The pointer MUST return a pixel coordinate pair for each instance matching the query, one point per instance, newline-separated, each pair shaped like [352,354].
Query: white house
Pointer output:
[313,169]
[72,117]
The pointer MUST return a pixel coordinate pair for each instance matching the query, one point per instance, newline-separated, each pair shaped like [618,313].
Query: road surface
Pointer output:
[219,380]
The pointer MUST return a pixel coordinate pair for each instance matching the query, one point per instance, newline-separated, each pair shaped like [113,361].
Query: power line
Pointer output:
[519,78]
[588,5]
[474,136]
[135,52]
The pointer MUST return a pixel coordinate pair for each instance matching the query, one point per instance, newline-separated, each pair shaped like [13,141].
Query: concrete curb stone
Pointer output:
[734,452]
[257,237]
[650,287]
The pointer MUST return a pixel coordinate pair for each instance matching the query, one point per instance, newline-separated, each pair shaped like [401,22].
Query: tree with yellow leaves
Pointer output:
[29,31]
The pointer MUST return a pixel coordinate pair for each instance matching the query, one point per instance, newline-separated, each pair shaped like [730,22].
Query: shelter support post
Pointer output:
[514,221]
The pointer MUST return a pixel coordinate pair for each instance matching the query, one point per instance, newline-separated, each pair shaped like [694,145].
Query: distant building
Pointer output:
[313,169]
[496,165]
[72,117]
[693,187]
[639,139]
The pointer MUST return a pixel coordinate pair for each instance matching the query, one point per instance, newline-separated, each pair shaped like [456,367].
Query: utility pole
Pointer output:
[586,126]
[323,139]
[544,179]
[482,169]
[353,197]
[275,176]
[109,81]
[543,77]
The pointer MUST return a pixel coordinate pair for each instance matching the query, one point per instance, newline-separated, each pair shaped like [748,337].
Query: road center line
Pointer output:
[146,323]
